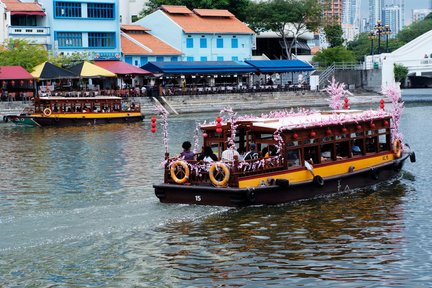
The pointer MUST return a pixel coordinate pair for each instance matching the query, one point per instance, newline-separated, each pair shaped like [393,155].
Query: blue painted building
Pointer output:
[84,26]
[201,34]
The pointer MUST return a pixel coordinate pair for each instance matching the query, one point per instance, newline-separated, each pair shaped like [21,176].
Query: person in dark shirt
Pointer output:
[187,154]
[207,155]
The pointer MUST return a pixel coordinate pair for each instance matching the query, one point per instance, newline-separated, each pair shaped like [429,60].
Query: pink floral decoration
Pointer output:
[337,94]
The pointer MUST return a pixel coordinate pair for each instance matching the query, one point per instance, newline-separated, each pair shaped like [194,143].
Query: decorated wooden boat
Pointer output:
[77,111]
[315,153]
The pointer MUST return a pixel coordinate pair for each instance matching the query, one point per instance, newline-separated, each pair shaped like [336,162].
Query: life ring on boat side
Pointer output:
[318,180]
[179,172]
[47,112]
[216,170]
[397,148]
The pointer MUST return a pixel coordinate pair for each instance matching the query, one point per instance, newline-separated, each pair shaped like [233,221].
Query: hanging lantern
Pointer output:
[386,123]
[13,83]
[153,125]
[372,125]
[329,131]
[295,136]
[382,104]
[346,105]
[359,127]
[218,130]
[21,82]
[344,130]
[205,135]
[4,83]
[31,82]
[312,134]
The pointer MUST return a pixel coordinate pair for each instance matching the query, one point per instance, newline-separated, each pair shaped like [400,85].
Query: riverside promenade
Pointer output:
[184,104]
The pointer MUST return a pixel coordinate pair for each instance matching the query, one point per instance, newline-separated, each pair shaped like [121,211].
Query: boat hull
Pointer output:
[277,194]
[72,121]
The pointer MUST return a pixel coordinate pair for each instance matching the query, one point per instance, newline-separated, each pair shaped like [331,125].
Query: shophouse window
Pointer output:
[159,58]
[174,58]
[203,43]
[203,58]
[189,42]
[144,60]
[101,39]
[234,58]
[190,58]
[100,10]
[220,58]
[69,39]
[234,43]
[219,43]
[67,9]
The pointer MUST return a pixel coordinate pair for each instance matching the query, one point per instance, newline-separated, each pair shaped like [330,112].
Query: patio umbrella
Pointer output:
[122,68]
[48,71]
[89,70]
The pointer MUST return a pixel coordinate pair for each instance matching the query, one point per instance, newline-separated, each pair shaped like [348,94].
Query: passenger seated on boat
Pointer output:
[355,150]
[293,158]
[325,156]
[252,154]
[207,155]
[186,154]
[230,154]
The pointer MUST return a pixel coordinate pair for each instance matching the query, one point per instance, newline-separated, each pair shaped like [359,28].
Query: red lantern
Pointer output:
[386,123]
[31,82]
[21,82]
[346,105]
[218,130]
[372,125]
[344,130]
[312,134]
[205,135]
[382,104]
[218,119]
[359,127]
[295,136]
[4,83]
[12,82]
[153,125]
[218,125]
[329,131]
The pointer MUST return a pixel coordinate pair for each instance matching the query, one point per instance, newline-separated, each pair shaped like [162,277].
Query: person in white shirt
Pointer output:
[229,154]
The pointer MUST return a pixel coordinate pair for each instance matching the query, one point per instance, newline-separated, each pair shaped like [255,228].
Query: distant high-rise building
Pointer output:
[393,18]
[420,14]
[130,9]
[351,12]
[375,11]
[332,10]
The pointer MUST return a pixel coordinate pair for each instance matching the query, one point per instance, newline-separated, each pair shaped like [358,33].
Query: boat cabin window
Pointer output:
[293,157]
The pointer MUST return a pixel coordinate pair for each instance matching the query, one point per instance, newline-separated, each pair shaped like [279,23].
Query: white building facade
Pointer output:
[130,9]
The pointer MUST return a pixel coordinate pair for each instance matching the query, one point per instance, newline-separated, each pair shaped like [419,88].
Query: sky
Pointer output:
[409,6]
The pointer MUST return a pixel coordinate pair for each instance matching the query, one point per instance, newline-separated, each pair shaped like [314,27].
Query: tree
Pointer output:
[415,29]
[334,35]
[400,72]
[22,53]
[236,7]
[66,61]
[329,56]
[361,45]
[288,18]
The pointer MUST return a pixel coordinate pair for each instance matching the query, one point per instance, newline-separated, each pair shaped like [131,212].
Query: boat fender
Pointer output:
[284,183]
[5,119]
[250,195]
[413,157]
[47,112]
[318,180]
[374,174]
[219,168]
[398,166]
[174,171]
[397,148]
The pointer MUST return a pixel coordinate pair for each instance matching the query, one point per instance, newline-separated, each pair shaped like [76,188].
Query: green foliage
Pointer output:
[361,46]
[236,7]
[334,35]
[68,61]
[22,53]
[416,29]
[329,56]
[400,72]
[288,18]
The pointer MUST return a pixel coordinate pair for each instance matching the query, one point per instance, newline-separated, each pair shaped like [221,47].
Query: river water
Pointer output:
[77,209]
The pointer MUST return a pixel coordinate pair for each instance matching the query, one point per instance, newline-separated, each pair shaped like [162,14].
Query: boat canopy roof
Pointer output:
[285,120]
[94,98]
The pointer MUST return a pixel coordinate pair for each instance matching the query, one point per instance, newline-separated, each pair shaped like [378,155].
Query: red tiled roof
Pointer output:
[16,6]
[213,13]
[193,23]
[173,9]
[14,73]
[134,28]
[157,46]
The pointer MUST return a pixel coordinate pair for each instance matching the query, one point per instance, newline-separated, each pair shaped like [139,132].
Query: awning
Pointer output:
[121,68]
[47,71]
[28,13]
[14,73]
[204,67]
[89,70]
[280,66]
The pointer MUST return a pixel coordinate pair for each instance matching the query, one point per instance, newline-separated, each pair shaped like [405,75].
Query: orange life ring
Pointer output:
[175,171]
[47,112]
[397,148]
[214,172]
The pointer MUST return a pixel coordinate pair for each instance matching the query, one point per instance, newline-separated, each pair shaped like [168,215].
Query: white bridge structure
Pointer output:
[415,55]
